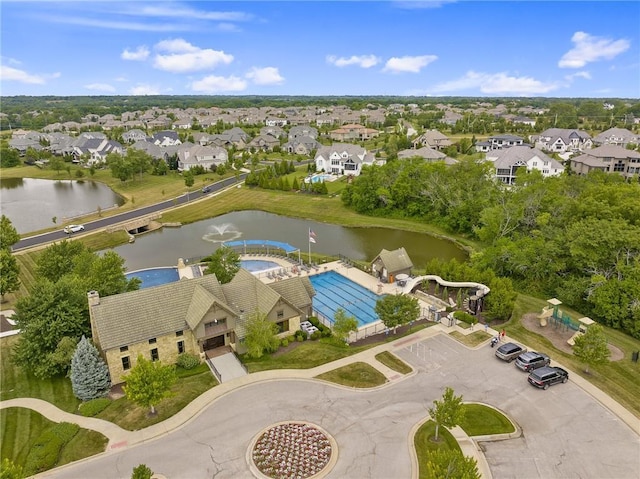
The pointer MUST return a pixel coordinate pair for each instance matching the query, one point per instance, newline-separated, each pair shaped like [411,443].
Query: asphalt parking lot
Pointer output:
[566,433]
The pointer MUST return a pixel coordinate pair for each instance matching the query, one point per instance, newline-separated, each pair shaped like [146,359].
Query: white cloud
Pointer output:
[100,87]
[183,57]
[176,11]
[121,78]
[116,24]
[364,61]
[216,84]
[496,83]
[14,74]
[408,64]
[588,48]
[582,74]
[265,76]
[144,89]
[139,54]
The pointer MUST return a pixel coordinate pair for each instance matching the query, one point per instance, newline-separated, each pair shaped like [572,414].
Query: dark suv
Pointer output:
[531,360]
[509,351]
[546,376]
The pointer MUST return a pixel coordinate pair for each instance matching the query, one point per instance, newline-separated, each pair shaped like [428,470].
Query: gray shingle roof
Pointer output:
[396,260]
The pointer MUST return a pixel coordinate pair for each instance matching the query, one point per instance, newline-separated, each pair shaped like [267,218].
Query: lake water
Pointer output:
[165,246]
[31,203]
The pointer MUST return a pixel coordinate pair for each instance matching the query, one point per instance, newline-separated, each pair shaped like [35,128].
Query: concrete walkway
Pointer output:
[120,438]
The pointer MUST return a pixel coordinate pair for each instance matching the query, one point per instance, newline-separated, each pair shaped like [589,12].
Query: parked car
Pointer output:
[509,351]
[73,229]
[207,188]
[532,360]
[546,376]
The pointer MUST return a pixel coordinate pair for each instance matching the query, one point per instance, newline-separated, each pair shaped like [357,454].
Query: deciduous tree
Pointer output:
[224,263]
[8,233]
[397,309]
[343,324]
[451,464]
[260,335]
[149,382]
[89,373]
[591,347]
[9,273]
[447,412]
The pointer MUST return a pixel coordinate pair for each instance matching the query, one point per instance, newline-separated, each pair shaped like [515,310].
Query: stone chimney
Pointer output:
[94,298]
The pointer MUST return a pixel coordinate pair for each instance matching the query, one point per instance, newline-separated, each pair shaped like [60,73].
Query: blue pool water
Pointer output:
[154,276]
[257,265]
[157,276]
[335,291]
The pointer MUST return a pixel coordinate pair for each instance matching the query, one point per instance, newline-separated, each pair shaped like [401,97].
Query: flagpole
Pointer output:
[309,239]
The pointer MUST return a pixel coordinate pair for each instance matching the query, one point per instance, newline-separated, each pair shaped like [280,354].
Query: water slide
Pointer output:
[483,290]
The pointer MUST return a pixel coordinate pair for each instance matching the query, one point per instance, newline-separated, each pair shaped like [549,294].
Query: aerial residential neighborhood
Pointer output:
[303,240]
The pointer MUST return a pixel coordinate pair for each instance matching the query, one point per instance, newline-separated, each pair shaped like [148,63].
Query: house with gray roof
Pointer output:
[508,161]
[344,159]
[303,131]
[301,145]
[263,143]
[616,136]
[427,154]
[133,135]
[198,155]
[608,158]
[389,264]
[198,316]
[166,138]
[432,139]
[561,140]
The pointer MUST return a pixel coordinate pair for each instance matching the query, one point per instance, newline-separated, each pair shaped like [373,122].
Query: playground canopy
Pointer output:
[261,244]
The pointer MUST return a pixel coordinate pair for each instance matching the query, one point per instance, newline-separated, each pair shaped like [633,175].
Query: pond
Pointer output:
[164,247]
[31,204]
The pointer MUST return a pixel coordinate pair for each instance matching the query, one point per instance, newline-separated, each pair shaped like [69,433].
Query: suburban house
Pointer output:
[303,131]
[235,137]
[352,132]
[96,150]
[134,135]
[274,131]
[198,155]
[195,316]
[507,162]
[433,139]
[561,140]
[263,143]
[616,136]
[166,138]
[608,158]
[301,145]
[427,154]
[344,159]
[389,264]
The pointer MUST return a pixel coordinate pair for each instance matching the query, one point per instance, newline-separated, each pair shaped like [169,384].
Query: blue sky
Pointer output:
[424,48]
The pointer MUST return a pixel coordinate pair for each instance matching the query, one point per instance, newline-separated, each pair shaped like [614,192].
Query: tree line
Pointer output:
[572,237]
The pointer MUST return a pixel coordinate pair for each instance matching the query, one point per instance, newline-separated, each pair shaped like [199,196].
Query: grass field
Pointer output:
[394,362]
[480,420]
[22,427]
[355,375]
[424,445]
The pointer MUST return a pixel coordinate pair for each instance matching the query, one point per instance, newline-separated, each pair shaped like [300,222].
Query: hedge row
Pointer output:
[46,451]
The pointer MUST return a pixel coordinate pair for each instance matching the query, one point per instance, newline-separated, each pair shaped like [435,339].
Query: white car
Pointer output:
[73,228]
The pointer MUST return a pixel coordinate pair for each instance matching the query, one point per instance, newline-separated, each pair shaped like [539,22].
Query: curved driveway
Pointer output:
[566,432]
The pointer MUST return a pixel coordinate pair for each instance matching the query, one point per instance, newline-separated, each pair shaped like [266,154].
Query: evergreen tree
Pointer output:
[89,374]
[142,471]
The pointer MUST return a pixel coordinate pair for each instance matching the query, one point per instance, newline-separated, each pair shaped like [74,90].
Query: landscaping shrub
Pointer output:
[300,335]
[46,450]
[187,361]
[93,407]
[465,317]
[316,335]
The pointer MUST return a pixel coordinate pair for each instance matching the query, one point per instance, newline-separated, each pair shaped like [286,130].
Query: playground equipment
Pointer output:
[582,328]
[549,311]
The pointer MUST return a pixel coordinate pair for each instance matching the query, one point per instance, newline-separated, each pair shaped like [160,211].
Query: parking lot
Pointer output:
[566,432]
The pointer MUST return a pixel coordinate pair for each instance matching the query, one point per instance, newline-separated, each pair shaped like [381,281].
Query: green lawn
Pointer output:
[471,340]
[15,382]
[424,444]
[619,379]
[355,375]
[480,420]
[22,427]
[189,386]
[394,362]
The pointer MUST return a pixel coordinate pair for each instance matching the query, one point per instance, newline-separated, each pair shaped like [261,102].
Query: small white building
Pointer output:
[344,159]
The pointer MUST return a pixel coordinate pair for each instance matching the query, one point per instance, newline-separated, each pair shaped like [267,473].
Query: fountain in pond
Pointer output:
[222,233]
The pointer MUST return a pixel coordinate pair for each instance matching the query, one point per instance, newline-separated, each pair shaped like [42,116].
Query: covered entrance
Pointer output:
[213,343]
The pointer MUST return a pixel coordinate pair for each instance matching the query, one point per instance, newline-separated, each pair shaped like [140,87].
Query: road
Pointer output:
[129,215]
[566,432]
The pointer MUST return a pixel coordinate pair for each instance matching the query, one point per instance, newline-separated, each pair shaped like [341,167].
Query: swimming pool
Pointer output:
[157,276]
[258,265]
[335,291]
[154,276]
[319,178]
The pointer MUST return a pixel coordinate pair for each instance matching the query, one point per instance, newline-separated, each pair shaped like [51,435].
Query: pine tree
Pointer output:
[89,374]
